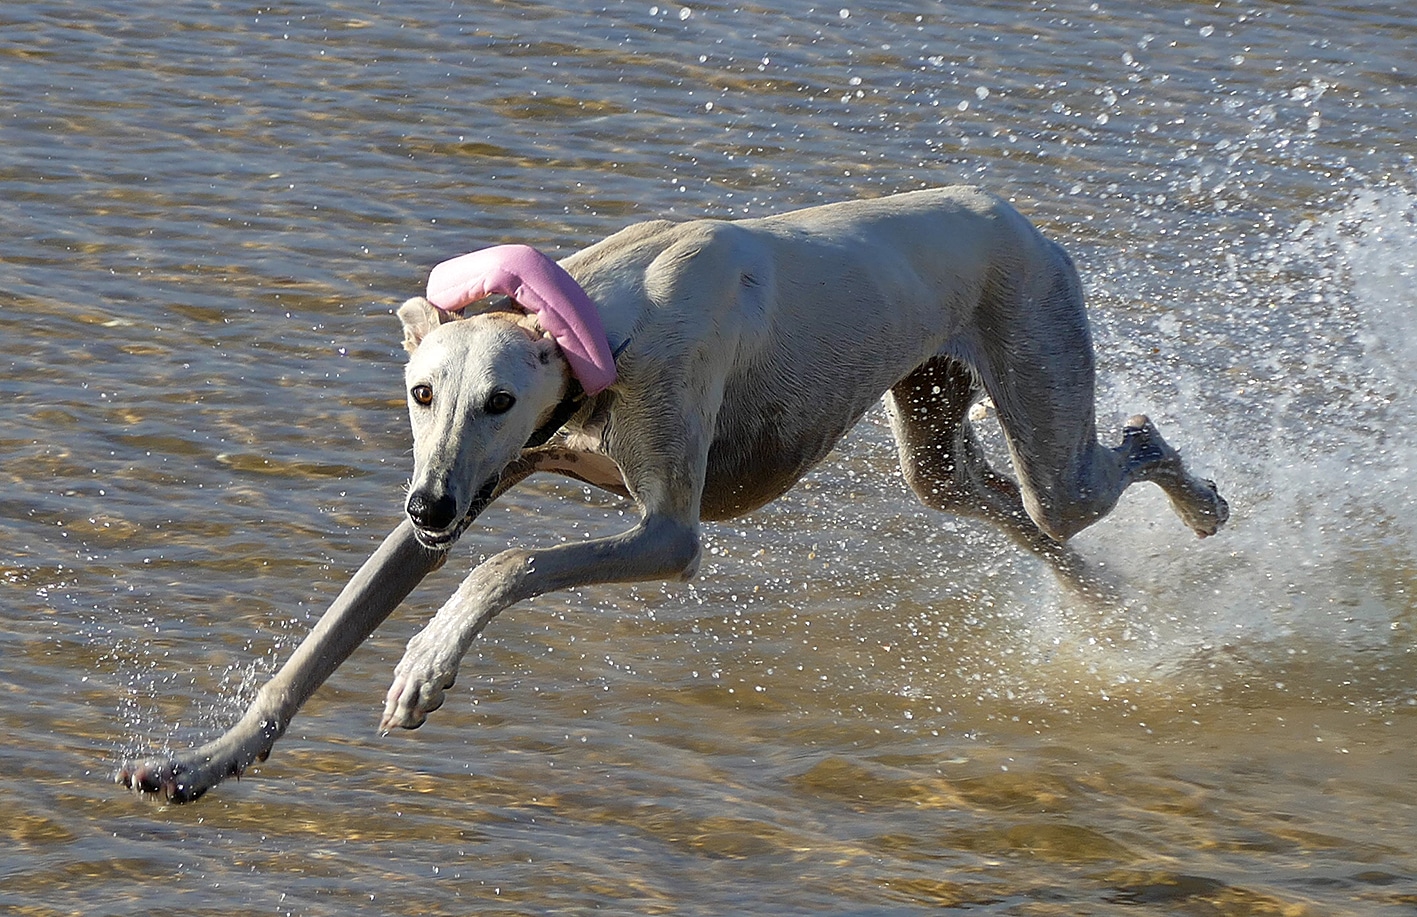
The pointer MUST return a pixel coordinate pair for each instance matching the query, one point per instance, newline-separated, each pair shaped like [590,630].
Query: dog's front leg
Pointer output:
[384,580]
[659,547]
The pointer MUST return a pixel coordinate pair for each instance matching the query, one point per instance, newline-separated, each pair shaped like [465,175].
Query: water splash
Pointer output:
[1304,422]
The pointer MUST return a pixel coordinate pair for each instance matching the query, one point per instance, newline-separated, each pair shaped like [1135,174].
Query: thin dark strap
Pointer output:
[575,398]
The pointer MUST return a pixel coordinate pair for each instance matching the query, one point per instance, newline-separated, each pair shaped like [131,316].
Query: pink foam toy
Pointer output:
[541,286]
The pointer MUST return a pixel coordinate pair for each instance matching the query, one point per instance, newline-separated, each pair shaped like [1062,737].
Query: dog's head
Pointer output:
[477,389]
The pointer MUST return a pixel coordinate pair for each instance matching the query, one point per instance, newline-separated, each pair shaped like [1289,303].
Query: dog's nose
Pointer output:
[431,513]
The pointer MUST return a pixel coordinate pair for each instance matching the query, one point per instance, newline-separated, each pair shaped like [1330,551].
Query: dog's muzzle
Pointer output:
[435,522]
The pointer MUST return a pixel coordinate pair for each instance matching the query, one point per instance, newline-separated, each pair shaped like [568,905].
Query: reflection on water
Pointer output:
[861,706]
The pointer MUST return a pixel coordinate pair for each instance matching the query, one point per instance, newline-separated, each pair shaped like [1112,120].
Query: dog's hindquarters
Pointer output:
[1029,347]
[1033,350]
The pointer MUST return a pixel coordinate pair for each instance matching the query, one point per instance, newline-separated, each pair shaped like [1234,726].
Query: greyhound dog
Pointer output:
[701,368]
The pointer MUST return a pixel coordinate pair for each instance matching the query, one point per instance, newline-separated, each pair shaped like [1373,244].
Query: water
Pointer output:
[860,706]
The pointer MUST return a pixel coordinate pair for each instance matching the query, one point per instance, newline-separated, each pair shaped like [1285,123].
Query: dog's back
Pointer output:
[805,319]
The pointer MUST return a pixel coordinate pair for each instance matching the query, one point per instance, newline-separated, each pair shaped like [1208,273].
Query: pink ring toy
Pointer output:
[541,286]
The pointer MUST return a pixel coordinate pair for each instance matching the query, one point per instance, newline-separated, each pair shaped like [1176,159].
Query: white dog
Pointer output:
[701,369]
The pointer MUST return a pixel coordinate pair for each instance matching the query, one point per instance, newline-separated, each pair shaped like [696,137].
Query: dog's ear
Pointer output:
[548,352]
[418,317]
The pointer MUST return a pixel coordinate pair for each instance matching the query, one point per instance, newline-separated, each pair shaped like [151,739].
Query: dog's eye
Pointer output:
[500,402]
[422,394]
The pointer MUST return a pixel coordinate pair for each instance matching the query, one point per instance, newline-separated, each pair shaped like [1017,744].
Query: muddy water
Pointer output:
[860,706]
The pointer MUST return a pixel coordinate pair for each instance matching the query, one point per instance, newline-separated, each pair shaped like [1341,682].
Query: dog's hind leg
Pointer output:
[1148,458]
[945,464]
[940,455]
[1034,354]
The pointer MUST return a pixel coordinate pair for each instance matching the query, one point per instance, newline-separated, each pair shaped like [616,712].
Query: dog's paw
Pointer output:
[417,690]
[1196,501]
[173,779]
[1209,512]
[187,775]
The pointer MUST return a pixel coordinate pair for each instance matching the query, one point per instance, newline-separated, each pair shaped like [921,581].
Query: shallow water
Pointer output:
[860,706]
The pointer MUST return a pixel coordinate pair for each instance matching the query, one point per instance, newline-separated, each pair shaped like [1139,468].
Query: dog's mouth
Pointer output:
[443,539]
[439,541]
